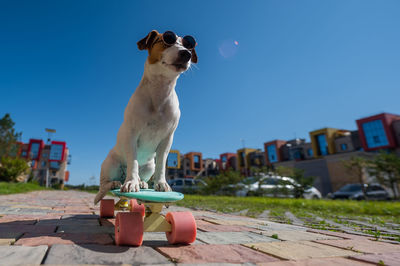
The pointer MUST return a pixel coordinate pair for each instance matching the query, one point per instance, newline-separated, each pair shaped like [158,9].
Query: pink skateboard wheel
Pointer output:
[183,228]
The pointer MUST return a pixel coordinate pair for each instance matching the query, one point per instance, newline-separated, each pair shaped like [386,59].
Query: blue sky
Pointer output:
[296,66]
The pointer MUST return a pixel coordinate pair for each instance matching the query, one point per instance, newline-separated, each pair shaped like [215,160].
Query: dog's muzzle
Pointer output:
[182,61]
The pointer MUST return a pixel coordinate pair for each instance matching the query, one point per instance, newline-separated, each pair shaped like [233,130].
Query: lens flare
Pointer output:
[228,48]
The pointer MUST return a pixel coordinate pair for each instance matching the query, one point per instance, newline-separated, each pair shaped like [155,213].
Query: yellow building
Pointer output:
[243,160]
[323,140]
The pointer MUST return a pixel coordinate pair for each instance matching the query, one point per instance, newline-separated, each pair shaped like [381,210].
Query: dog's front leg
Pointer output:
[132,169]
[162,151]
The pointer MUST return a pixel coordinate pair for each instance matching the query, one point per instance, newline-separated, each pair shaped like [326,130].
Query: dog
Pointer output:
[150,119]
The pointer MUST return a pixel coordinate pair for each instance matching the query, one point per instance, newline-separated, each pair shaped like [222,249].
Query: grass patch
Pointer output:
[13,188]
[381,211]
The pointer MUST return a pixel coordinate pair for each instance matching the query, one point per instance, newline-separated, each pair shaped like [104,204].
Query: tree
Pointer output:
[224,183]
[301,183]
[8,136]
[386,168]
[11,168]
[356,166]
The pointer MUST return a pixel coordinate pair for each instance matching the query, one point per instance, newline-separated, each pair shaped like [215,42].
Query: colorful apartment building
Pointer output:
[243,160]
[323,141]
[273,152]
[48,161]
[379,132]
[228,161]
[192,164]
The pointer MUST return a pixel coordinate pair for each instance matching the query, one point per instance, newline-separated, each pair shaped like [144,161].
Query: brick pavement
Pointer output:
[63,227]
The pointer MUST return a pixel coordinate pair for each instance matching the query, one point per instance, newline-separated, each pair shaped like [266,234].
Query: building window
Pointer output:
[272,157]
[375,134]
[23,154]
[35,147]
[197,164]
[224,159]
[55,165]
[343,146]
[43,163]
[297,154]
[309,152]
[242,157]
[172,160]
[322,144]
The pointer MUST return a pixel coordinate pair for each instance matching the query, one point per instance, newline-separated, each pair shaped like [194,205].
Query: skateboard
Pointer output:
[140,212]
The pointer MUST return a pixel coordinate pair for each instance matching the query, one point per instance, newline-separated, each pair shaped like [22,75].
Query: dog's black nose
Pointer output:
[184,56]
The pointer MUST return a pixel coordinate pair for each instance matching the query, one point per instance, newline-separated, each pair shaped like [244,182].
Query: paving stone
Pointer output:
[366,246]
[88,229]
[277,227]
[292,235]
[215,264]
[214,254]
[317,262]
[9,238]
[17,255]
[230,222]
[107,222]
[158,239]
[34,239]
[28,228]
[339,234]
[209,227]
[98,254]
[389,259]
[17,220]
[80,216]
[299,250]
[76,222]
[232,237]
[31,207]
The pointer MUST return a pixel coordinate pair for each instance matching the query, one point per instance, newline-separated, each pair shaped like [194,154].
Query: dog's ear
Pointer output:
[194,56]
[147,41]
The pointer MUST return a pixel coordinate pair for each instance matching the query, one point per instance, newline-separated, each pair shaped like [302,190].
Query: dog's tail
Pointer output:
[104,189]
[99,196]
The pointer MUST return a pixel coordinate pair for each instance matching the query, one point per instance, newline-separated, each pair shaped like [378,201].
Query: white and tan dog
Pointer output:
[150,119]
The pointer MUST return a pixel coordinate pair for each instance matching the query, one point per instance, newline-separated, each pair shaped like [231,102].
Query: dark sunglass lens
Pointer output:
[189,42]
[169,37]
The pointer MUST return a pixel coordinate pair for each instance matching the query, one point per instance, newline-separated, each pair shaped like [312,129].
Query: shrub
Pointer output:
[11,168]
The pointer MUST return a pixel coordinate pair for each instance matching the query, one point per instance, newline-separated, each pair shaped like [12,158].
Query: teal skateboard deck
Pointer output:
[150,195]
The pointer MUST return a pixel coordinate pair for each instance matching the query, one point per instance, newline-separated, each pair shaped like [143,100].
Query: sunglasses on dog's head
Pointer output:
[169,38]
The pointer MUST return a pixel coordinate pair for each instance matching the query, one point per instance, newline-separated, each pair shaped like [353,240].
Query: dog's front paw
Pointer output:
[143,185]
[131,185]
[162,186]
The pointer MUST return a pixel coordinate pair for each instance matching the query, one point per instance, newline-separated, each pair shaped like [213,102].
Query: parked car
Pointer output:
[273,186]
[354,192]
[186,185]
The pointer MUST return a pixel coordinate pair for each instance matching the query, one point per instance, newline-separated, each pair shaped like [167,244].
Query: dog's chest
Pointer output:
[159,125]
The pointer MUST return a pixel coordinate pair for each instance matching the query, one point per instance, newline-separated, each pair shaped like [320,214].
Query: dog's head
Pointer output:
[175,57]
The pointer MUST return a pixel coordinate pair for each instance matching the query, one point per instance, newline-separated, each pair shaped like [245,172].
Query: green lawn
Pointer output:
[253,206]
[12,188]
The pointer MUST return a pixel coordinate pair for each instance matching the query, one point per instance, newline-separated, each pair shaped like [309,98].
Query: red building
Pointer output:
[228,160]
[273,152]
[48,161]
[376,132]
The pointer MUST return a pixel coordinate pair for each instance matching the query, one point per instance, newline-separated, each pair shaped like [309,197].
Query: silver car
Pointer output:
[273,186]
[186,185]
